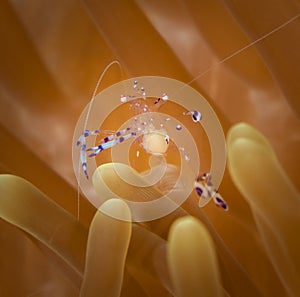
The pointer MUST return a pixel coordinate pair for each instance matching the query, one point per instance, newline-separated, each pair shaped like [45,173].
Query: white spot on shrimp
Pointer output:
[187,158]
[123,98]
[165,97]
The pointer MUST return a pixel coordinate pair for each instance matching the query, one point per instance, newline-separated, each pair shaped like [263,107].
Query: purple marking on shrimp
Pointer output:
[224,206]
[209,182]
[85,170]
[199,191]
[157,100]
[96,152]
[219,200]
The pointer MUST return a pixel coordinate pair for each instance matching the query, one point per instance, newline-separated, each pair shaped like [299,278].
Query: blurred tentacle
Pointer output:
[24,206]
[272,197]
[106,251]
[192,260]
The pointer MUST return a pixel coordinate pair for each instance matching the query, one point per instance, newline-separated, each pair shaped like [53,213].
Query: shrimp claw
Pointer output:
[205,190]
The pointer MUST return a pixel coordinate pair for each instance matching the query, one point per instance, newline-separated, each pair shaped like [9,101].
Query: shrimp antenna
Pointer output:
[237,52]
[86,121]
[96,89]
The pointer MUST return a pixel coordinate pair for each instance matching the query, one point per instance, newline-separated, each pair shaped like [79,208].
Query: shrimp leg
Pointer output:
[83,160]
[82,144]
[110,143]
[112,136]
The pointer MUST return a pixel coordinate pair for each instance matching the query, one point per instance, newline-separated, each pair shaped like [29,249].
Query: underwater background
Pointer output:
[243,57]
